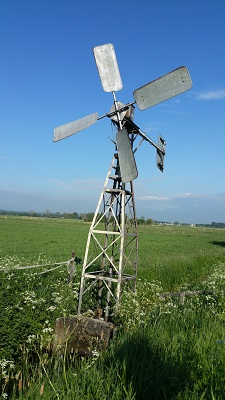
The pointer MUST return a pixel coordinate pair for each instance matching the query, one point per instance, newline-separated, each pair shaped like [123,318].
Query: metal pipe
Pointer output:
[145,136]
[125,107]
[117,110]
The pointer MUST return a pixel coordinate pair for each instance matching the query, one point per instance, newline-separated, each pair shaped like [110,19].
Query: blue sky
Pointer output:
[48,77]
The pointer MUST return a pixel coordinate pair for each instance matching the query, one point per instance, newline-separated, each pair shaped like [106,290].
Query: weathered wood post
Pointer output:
[71,268]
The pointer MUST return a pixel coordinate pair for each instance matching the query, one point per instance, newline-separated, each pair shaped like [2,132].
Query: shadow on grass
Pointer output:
[146,369]
[222,244]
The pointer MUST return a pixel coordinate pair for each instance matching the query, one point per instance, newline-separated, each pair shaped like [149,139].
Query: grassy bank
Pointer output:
[164,349]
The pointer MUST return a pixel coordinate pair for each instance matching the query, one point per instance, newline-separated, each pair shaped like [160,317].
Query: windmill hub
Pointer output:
[126,111]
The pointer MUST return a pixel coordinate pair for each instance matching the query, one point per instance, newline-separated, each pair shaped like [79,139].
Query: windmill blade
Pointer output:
[127,162]
[163,88]
[63,131]
[105,58]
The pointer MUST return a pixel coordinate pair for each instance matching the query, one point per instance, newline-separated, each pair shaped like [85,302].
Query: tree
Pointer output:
[57,214]
[32,213]
[89,217]
[141,221]
[149,221]
[47,213]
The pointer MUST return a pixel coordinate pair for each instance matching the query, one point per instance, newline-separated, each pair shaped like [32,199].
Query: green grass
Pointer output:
[30,237]
[183,252]
[163,349]
[175,255]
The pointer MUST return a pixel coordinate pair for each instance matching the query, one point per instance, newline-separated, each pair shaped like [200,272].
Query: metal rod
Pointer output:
[117,110]
[125,107]
[145,136]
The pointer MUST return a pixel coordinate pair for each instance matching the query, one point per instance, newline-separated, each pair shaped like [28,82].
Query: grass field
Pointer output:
[164,349]
[30,237]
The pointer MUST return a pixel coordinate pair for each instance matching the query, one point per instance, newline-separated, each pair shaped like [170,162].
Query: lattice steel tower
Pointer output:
[111,256]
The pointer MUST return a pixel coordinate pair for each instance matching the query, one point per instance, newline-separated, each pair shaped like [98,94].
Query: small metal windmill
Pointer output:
[111,256]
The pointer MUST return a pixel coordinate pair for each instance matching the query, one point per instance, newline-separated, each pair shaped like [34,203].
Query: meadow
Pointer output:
[164,348]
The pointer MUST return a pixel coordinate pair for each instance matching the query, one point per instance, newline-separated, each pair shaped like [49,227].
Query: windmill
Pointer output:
[111,256]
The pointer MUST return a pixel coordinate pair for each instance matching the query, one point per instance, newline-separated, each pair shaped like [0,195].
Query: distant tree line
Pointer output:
[49,214]
[88,217]
[213,225]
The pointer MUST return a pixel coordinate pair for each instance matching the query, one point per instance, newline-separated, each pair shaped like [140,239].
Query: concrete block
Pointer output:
[81,335]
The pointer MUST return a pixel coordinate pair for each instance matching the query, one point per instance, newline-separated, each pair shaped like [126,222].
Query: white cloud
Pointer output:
[212,95]
[160,197]
[78,184]
[183,207]
[156,197]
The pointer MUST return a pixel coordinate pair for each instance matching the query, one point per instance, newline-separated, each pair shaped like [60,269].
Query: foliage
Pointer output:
[28,300]
[164,349]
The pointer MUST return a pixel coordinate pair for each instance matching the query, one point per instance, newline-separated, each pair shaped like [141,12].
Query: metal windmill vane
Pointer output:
[115,243]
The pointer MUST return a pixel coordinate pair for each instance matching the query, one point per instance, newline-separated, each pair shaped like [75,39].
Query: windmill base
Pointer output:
[82,335]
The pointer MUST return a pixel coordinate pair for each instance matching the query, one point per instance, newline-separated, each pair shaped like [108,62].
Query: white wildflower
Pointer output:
[51,308]
[47,330]
[31,338]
